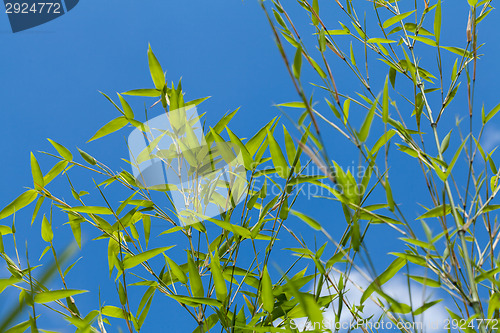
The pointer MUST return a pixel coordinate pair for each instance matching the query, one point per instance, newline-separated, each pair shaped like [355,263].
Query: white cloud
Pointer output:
[432,320]
[491,138]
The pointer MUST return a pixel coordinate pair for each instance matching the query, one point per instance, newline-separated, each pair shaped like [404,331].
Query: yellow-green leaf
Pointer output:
[37,173]
[90,210]
[132,261]
[309,220]
[396,19]
[54,295]
[129,114]
[177,270]
[20,202]
[194,278]
[63,151]
[279,160]
[267,291]
[155,70]
[113,126]
[219,282]
[47,233]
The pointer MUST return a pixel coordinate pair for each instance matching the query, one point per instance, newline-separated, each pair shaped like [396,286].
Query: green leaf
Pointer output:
[5,230]
[385,101]
[143,92]
[63,151]
[155,70]
[380,40]
[426,281]
[297,63]
[146,223]
[129,114]
[436,212]
[388,274]
[176,270]
[445,143]
[388,192]
[493,304]
[455,158]
[490,208]
[437,22]
[367,123]
[112,311]
[55,171]
[459,51]
[47,233]
[309,220]
[491,114]
[424,40]
[132,261]
[396,19]
[194,278]
[113,126]
[39,203]
[196,301]
[88,158]
[20,202]
[4,283]
[54,295]
[279,160]
[219,282]
[299,105]
[315,8]
[267,291]
[90,210]
[382,141]
[37,173]
[76,228]
[426,306]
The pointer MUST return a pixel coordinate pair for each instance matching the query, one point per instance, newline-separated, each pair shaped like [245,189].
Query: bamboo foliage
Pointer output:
[223,271]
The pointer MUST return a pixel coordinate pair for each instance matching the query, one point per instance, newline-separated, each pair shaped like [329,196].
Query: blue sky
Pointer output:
[51,76]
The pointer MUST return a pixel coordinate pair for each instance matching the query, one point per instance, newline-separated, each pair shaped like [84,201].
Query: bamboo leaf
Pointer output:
[132,261]
[367,123]
[297,63]
[380,40]
[113,126]
[388,274]
[129,114]
[396,19]
[143,92]
[195,279]
[436,212]
[437,22]
[426,306]
[63,151]
[267,291]
[279,160]
[219,282]
[20,202]
[155,70]
[90,210]
[177,270]
[37,173]
[491,114]
[426,281]
[385,101]
[88,158]
[309,220]
[54,295]
[47,233]
[146,223]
